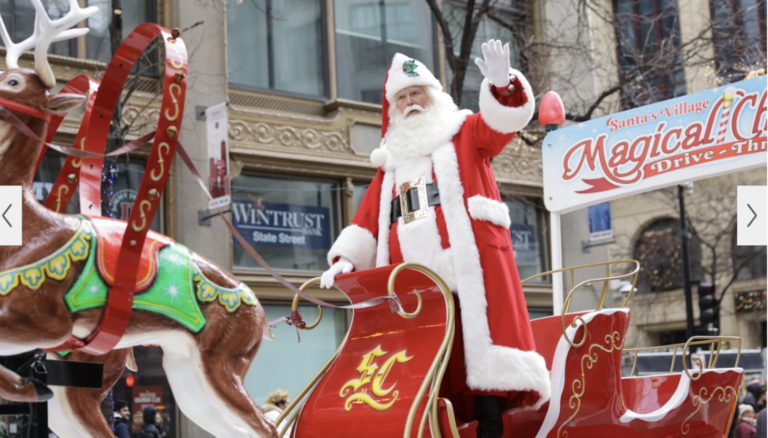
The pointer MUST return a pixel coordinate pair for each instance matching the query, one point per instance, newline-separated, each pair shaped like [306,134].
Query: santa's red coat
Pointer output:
[473,252]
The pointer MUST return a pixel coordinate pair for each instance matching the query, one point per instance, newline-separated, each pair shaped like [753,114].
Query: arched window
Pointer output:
[659,251]
[749,262]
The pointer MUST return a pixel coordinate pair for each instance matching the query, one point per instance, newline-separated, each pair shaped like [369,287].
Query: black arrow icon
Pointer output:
[6,219]
[753,212]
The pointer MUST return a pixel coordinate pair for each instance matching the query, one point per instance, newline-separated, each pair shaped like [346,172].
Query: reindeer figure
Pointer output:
[209,324]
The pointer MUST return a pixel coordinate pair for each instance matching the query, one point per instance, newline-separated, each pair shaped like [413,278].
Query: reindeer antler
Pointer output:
[46,31]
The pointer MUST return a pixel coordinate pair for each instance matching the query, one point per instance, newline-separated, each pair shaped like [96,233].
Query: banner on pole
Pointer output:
[600,221]
[218,155]
[701,135]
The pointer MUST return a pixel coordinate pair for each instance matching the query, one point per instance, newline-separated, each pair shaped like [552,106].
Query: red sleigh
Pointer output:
[383,379]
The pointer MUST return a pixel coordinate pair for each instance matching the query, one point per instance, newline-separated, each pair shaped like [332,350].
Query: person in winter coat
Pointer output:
[274,406]
[435,201]
[122,418]
[762,427]
[747,422]
[149,429]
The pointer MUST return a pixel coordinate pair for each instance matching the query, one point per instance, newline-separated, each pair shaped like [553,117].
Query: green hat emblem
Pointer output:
[409,68]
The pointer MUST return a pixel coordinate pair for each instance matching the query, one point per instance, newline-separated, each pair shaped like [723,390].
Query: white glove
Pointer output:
[496,64]
[343,266]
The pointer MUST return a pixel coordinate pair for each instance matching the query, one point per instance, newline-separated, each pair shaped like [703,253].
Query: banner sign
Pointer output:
[285,225]
[600,221]
[524,243]
[218,155]
[144,396]
[701,135]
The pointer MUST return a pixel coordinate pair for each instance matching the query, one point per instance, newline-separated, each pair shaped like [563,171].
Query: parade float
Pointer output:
[89,274]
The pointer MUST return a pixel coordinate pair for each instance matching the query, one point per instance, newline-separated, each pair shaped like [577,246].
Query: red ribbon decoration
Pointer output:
[26,109]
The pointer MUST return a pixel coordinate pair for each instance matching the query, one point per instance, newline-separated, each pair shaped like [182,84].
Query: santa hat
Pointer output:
[403,73]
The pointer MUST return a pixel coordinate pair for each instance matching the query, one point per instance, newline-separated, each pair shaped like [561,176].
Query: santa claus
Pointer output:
[435,201]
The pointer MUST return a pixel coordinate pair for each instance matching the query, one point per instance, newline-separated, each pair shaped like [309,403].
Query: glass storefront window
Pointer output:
[357,196]
[291,223]
[276,44]
[135,12]
[148,386]
[529,238]
[286,364]
[539,313]
[119,186]
[369,33]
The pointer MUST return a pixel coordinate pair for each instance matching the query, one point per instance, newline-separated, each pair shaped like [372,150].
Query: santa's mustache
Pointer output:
[412,108]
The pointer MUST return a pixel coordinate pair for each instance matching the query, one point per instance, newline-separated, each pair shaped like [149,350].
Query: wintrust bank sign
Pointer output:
[698,136]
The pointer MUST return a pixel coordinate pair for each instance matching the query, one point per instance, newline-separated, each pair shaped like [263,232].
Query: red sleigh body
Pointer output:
[590,398]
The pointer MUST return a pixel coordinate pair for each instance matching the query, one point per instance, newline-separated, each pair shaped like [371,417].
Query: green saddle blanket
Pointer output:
[174,293]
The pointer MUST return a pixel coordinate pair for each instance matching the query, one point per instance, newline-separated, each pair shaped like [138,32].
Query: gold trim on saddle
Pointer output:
[55,266]
[420,184]
[207,292]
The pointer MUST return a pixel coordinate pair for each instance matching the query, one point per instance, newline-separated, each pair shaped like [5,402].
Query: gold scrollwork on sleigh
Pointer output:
[726,394]
[579,385]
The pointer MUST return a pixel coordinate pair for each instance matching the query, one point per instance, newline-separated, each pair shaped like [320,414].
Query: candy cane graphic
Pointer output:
[727,102]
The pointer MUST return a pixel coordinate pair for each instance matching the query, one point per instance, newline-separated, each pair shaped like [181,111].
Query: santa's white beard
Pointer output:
[420,133]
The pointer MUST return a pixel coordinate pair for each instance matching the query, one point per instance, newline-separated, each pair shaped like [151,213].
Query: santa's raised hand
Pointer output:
[495,66]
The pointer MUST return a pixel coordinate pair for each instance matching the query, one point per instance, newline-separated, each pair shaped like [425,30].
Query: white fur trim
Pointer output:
[489,367]
[505,119]
[385,208]
[491,210]
[445,268]
[357,245]
[397,79]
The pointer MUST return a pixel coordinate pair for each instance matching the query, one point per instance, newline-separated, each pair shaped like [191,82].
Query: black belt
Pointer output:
[412,200]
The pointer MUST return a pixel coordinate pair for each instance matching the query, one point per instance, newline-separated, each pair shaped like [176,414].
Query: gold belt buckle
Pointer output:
[421,185]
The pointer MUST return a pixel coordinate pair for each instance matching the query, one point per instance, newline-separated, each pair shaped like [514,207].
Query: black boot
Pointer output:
[488,410]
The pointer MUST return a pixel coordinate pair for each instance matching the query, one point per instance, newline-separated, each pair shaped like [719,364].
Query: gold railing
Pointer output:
[603,295]
[714,353]
[434,374]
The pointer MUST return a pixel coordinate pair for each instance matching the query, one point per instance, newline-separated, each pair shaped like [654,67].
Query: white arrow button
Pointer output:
[10,215]
[752,228]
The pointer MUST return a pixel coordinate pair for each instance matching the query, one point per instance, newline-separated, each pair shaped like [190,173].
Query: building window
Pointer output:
[659,251]
[539,313]
[120,184]
[277,45]
[291,222]
[369,33]
[738,27]
[512,15]
[749,262]
[648,38]
[19,17]
[148,387]
[135,12]
[291,365]
[529,237]
[357,196]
